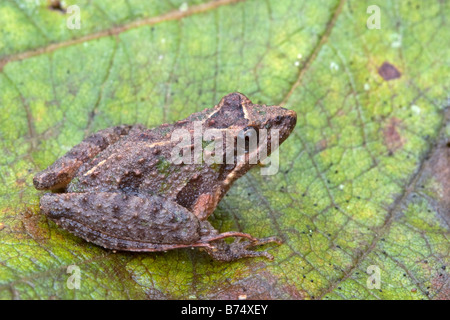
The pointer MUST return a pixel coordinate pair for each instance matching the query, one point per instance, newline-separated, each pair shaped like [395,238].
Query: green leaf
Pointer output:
[363,187]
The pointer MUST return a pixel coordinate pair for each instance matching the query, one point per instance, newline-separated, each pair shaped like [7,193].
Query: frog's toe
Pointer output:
[266,240]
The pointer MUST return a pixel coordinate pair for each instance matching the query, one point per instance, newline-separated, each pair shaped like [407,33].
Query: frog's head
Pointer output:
[236,113]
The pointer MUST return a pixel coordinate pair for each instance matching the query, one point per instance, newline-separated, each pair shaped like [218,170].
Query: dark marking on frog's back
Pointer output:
[388,71]
[187,196]
[145,136]
[130,182]
[231,112]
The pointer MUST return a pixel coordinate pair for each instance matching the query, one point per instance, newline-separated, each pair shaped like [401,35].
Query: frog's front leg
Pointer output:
[61,172]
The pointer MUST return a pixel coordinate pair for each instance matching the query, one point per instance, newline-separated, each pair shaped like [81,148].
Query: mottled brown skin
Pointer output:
[123,192]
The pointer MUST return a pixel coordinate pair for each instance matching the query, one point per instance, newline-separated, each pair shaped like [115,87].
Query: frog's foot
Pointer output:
[220,250]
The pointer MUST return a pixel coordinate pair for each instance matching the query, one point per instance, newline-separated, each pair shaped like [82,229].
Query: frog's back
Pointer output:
[120,166]
[138,163]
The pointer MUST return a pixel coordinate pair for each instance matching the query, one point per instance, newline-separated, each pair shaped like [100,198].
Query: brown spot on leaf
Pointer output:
[21,182]
[322,145]
[2,226]
[436,175]
[56,5]
[259,285]
[294,293]
[392,138]
[388,71]
[32,224]
[252,288]
[440,167]
[441,285]
[341,112]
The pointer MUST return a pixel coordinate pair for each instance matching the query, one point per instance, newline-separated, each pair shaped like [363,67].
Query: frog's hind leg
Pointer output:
[240,248]
[61,172]
[118,221]
[140,223]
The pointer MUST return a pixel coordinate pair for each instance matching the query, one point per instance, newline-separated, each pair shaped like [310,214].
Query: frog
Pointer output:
[120,188]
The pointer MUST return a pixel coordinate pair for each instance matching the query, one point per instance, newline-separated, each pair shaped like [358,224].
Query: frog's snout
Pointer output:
[287,123]
[291,118]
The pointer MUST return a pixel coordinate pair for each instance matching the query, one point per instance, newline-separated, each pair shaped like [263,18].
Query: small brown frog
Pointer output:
[122,191]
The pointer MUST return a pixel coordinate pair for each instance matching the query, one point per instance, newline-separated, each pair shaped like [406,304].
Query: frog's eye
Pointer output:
[247,139]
